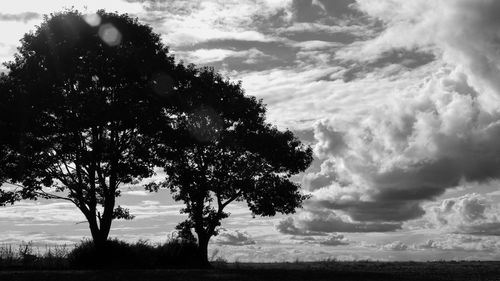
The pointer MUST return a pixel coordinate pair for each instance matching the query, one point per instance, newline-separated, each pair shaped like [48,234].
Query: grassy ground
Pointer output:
[406,271]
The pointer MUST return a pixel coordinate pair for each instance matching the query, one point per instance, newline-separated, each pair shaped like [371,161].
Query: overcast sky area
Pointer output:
[399,99]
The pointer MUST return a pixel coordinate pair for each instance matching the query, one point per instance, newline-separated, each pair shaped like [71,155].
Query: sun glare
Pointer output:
[110,35]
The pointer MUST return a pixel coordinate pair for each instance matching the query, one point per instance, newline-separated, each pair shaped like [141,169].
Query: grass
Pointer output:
[174,260]
[342,271]
[26,256]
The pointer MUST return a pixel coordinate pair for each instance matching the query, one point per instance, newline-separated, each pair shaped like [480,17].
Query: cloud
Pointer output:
[136,193]
[152,209]
[468,214]
[323,223]
[205,56]
[24,17]
[430,136]
[428,140]
[395,246]
[338,8]
[200,21]
[464,36]
[33,212]
[331,239]
[312,10]
[234,238]
[461,243]
[334,240]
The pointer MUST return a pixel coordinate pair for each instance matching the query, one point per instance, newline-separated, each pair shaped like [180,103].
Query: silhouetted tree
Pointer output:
[229,153]
[7,196]
[86,95]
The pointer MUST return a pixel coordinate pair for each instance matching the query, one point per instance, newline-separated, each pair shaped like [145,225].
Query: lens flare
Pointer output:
[110,35]
[92,19]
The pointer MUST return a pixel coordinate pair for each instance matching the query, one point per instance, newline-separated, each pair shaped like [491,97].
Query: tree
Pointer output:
[229,153]
[6,139]
[86,97]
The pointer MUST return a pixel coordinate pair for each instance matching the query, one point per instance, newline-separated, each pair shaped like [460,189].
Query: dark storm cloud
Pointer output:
[24,17]
[376,211]
[324,222]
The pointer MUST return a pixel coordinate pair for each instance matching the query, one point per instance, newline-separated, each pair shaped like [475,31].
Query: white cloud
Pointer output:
[21,6]
[429,136]
[213,20]
[205,56]
[137,193]
[461,243]
[395,246]
[335,240]
[233,237]
[27,212]
[471,213]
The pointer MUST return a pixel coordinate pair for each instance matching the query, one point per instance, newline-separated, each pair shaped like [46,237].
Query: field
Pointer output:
[328,270]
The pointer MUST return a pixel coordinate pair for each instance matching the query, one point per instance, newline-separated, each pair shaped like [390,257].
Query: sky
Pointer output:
[399,99]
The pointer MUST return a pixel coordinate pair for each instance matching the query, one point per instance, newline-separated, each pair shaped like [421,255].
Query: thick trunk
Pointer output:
[203,248]
[107,217]
[98,236]
[100,229]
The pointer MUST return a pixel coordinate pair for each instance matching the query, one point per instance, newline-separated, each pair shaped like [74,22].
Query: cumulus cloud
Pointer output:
[334,240]
[461,243]
[234,238]
[395,246]
[469,214]
[429,137]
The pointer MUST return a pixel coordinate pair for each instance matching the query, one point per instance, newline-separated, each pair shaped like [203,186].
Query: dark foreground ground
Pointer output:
[282,271]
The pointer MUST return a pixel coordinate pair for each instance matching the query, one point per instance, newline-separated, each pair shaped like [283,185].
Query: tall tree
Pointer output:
[7,162]
[229,153]
[86,95]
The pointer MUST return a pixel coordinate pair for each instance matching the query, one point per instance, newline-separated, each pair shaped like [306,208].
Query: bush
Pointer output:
[178,253]
[28,256]
[119,254]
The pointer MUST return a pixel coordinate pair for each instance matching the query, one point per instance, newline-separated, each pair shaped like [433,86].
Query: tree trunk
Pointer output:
[100,231]
[203,249]
[99,238]
[107,217]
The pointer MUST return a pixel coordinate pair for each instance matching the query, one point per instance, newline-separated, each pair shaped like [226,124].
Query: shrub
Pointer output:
[119,254]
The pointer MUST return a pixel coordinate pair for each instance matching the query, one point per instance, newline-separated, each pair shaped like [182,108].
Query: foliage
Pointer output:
[83,111]
[226,152]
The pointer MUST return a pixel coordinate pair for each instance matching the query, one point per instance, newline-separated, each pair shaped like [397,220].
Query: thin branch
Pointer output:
[53,196]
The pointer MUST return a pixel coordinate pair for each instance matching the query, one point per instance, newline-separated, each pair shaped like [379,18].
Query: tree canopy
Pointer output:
[227,152]
[83,109]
